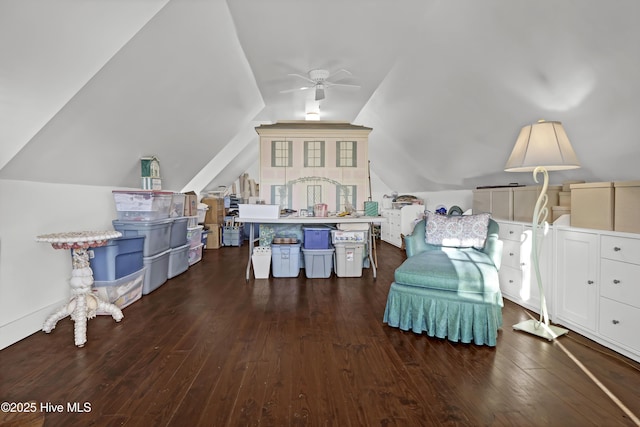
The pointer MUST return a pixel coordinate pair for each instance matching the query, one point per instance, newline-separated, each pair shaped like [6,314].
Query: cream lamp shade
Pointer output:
[542,144]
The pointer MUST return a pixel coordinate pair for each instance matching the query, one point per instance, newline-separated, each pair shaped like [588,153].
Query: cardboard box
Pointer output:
[190,204]
[525,198]
[592,205]
[215,214]
[626,206]
[214,237]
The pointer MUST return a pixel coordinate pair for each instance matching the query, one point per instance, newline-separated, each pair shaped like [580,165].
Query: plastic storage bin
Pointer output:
[157,271]
[142,205]
[178,232]
[157,234]
[192,221]
[195,254]
[261,259]
[349,259]
[119,258]
[121,292]
[177,205]
[285,259]
[178,261]
[349,236]
[317,237]
[194,235]
[259,211]
[318,263]
[232,235]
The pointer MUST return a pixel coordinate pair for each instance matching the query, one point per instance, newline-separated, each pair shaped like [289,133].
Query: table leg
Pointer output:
[251,237]
[83,304]
[372,248]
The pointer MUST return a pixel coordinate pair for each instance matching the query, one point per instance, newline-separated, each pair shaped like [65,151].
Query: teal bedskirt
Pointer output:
[444,314]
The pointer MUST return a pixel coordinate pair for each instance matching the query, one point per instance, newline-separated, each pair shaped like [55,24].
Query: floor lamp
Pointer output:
[541,147]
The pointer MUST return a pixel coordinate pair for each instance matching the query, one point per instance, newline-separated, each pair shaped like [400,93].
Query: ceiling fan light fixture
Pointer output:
[319,91]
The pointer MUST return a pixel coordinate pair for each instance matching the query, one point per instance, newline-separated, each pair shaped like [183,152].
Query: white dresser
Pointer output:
[518,281]
[399,223]
[591,279]
[620,290]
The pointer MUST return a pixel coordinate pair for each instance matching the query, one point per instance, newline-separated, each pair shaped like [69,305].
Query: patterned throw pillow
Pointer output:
[464,231]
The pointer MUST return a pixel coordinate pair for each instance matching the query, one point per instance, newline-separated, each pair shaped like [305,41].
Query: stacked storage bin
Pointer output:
[194,237]
[146,213]
[318,252]
[179,247]
[157,247]
[233,235]
[349,254]
[118,270]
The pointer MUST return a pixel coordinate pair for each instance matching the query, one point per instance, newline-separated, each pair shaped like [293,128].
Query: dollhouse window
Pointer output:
[280,195]
[346,154]
[314,154]
[314,194]
[347,195]
[281,154]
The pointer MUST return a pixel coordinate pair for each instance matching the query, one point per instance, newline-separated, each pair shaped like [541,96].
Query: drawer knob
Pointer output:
[616,281]
[590,282]
[511,254]
[615,322]
[616,249]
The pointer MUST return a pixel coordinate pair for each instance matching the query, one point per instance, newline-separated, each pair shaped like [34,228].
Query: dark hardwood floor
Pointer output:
[210,349]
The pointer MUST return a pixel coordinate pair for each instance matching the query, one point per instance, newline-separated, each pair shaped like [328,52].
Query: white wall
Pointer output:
[33,276]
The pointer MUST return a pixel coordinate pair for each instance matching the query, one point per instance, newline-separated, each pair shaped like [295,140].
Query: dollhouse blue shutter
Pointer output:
[343,161]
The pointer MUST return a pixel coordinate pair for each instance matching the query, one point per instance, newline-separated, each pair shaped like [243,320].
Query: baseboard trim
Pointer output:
[19,329]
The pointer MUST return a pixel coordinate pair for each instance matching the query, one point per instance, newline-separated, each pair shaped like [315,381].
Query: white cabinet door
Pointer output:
[577,278]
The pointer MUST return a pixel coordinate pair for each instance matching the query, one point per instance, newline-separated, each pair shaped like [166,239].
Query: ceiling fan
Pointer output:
[319,80]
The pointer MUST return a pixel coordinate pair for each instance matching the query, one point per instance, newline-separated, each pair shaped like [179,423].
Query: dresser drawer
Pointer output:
[510,281]
[620,281]
[619,322]
[620,249]
[510,232]
[511,254]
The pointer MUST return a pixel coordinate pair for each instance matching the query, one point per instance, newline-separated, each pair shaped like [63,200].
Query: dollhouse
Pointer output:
[307,163]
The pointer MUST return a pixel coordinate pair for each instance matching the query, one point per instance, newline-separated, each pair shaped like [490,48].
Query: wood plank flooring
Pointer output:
[210,349]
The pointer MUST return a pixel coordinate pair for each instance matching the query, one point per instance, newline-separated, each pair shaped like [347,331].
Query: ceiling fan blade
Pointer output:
[298,89]
[341,84]
[342,70]
[302,77]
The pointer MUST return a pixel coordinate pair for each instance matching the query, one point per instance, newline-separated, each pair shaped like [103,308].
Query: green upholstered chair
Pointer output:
[448,291]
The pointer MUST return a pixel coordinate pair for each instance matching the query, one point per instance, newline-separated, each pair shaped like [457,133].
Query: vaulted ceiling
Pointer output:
[88,87]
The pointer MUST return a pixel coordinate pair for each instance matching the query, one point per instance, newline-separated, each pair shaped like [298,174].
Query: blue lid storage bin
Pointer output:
[178,232]
[157,233]
[318,263]
[317,237]
[285,259]
[178,261]
[118,258]
[157,271]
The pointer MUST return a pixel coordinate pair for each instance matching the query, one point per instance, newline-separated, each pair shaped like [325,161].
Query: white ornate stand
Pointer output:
[83,303]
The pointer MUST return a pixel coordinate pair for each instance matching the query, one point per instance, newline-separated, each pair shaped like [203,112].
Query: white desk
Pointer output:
[313,220]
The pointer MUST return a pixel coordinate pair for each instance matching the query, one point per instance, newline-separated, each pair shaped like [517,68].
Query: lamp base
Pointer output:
[541,330]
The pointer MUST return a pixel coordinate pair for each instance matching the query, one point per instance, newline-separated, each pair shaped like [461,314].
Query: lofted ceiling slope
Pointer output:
[86,88]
